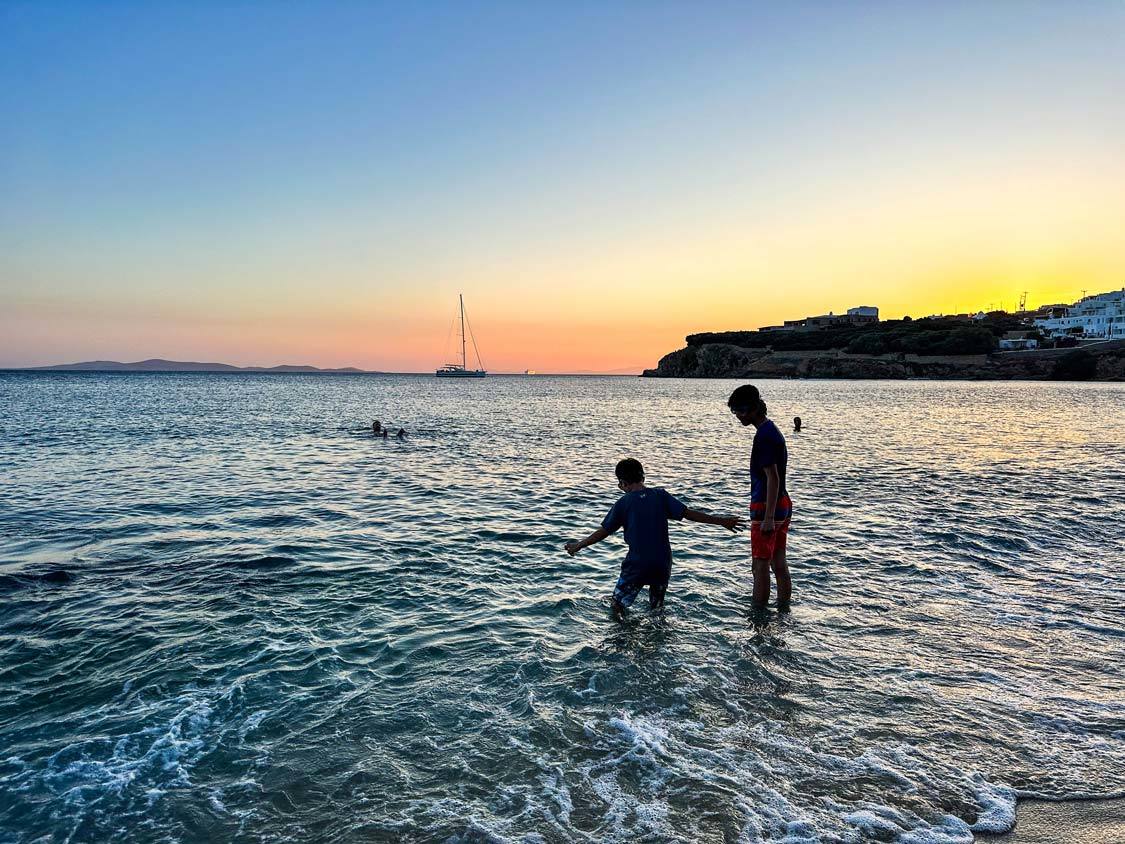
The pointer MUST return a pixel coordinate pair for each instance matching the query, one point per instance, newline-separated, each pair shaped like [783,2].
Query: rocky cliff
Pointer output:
[719,360]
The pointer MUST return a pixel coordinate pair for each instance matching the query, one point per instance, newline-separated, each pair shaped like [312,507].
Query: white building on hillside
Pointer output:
[1014,340]
[862,314]
[1101,316]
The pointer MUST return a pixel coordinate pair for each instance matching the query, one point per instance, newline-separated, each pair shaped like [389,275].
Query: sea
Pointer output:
[229,613]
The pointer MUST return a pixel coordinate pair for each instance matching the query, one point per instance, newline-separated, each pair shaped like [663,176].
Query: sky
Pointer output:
[316,182]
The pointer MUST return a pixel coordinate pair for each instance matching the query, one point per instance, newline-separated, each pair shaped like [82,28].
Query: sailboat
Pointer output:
[461,370]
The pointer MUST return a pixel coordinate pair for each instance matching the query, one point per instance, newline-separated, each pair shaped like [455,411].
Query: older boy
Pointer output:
[770,507]
[644,513]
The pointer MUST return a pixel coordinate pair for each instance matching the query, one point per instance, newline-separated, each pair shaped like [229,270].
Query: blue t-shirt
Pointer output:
[644,513]
[769,450]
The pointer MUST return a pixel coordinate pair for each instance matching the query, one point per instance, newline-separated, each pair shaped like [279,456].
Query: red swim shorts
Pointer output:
[764,545]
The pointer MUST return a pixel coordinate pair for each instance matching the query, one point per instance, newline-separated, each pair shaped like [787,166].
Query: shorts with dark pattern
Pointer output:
[630,584]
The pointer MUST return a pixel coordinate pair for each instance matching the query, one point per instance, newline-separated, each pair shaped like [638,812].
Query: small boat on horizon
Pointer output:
[461,370]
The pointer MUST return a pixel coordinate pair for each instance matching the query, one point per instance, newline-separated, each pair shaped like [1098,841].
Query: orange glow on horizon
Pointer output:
[583,304]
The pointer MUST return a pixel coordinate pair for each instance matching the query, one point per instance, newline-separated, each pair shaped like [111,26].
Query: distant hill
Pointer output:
[159,365]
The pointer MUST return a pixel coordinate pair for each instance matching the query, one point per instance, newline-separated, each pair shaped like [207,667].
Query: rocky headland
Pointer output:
[1102,362]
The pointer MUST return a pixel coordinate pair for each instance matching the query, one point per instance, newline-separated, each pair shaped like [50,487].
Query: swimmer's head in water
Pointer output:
[629,471]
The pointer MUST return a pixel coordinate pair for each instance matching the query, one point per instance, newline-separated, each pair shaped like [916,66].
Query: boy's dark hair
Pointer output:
[747,397]
[630,471]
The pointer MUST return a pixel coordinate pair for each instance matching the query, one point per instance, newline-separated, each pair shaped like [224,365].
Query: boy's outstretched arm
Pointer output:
[732,523]
[573,548]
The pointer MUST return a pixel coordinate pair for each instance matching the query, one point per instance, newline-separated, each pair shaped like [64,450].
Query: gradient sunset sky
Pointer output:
[264,183]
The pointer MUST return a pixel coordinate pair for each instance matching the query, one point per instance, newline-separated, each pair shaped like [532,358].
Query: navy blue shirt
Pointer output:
[644,513]
[769,450]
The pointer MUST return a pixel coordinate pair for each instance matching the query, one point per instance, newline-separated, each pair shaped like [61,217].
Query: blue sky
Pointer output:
[313,174]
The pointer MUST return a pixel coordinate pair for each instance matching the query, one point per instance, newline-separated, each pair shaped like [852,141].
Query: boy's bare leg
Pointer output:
[656,596]
[761,581]
[781,573]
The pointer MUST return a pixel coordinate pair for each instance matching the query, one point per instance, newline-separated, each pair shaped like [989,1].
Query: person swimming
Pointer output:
[376,428]
[796,424]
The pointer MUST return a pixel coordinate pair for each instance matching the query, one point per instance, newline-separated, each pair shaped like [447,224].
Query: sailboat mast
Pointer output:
[464,362]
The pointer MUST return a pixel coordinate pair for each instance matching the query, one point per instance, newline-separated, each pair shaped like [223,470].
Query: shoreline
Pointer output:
[1092,821]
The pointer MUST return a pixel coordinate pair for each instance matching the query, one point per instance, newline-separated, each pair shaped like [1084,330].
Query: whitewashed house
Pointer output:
[1101,316]
[1016,340]
[863,314]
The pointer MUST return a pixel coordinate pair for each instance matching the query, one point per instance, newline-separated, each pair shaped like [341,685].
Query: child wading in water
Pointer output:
[770,507]
[644,513]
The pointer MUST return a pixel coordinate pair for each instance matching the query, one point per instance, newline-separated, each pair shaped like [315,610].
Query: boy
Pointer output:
[644,513]
[770,507]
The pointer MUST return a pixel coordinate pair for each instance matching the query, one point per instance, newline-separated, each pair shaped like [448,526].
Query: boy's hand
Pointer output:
[733,523]
[767,525]
[573,548]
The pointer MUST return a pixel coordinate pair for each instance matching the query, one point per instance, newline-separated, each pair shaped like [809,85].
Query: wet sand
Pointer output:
[1072,822]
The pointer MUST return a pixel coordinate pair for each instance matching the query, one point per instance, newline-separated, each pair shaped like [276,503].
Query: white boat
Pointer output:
[461,370]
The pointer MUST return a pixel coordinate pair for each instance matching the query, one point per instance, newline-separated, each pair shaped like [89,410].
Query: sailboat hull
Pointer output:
[460,373]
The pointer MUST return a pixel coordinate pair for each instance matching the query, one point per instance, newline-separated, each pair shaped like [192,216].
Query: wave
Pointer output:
[32,579]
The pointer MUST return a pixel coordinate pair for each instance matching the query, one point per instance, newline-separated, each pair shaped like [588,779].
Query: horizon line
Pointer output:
[280,369]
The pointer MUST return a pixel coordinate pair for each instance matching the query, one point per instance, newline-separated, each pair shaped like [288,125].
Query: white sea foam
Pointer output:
[252,722]
[554,785]
[998,805]
[646,734]
[591,689]
[94,777]
[869,821]
[947,830]
[661,750]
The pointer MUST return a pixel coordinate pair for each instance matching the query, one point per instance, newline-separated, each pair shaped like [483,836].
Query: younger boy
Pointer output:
[644,513]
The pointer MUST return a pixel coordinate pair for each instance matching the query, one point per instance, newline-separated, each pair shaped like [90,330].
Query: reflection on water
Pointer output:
[230,613]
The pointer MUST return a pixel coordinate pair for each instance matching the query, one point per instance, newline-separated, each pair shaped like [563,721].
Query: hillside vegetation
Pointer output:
[905,336]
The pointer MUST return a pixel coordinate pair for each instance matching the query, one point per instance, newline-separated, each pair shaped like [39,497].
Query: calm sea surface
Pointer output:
[227,613]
